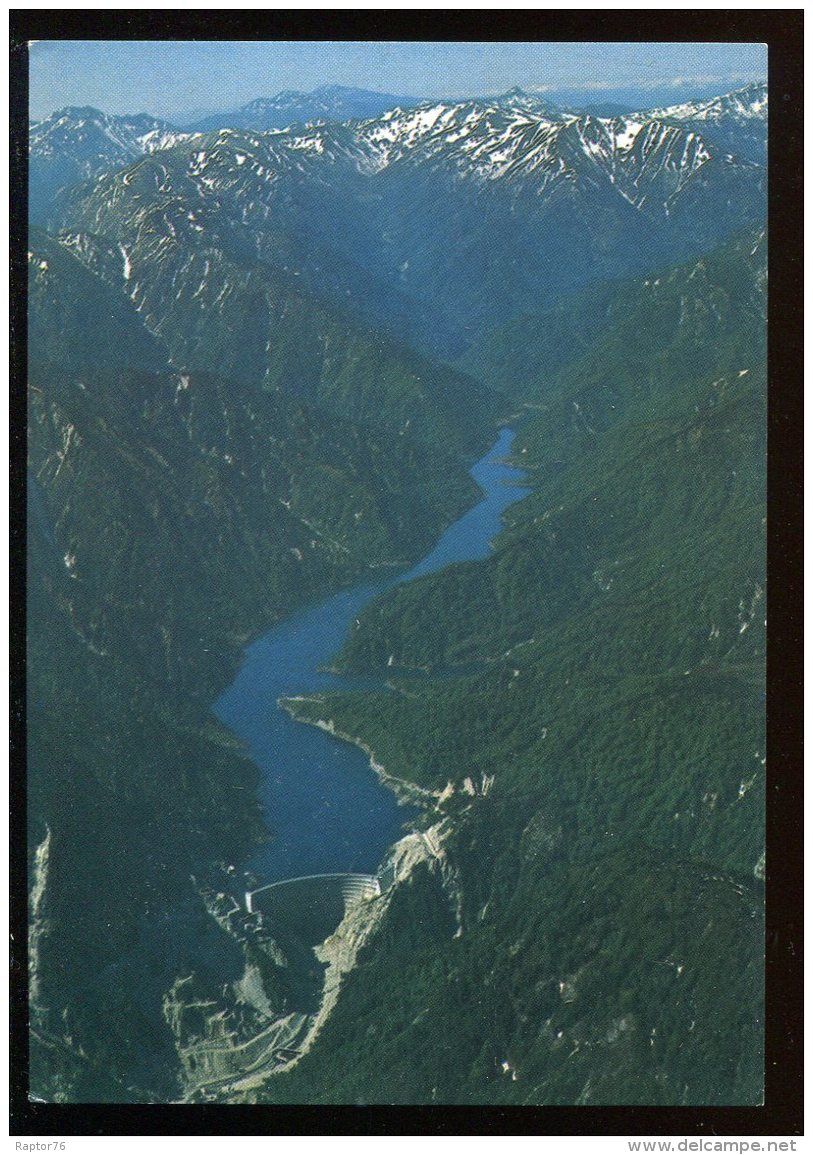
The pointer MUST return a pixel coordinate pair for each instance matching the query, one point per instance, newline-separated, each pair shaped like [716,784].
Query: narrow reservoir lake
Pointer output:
[325,807]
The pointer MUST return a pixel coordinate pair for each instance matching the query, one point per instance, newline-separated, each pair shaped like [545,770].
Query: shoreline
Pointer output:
[406,792]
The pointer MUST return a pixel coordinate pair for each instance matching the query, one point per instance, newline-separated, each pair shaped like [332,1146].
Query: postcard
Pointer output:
[396,572]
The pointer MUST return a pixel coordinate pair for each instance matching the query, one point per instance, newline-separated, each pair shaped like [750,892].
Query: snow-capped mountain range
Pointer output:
[746,104]
[509,135]
[737,121]
[465,211]
[90,136]
[510,141]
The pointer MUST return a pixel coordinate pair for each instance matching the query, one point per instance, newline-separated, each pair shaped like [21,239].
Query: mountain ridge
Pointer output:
[69,128]
[424,194]
[292,107]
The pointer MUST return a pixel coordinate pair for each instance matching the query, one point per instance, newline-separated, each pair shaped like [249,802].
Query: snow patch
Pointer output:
[626,134]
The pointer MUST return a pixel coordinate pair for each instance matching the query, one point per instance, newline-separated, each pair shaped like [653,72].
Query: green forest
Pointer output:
[611,655]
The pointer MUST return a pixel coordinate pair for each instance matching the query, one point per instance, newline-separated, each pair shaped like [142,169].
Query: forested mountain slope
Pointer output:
[603,771]
[685,308]
[172,515]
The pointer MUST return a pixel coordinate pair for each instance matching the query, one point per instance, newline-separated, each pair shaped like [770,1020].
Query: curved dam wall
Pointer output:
[310,908]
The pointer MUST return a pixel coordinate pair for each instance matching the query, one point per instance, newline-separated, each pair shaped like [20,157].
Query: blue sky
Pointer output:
[169,77]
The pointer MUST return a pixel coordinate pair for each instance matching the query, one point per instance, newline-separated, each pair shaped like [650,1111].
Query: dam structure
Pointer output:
[310,889]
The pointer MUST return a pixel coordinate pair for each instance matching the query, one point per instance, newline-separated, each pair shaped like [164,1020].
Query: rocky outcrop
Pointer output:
[38,925]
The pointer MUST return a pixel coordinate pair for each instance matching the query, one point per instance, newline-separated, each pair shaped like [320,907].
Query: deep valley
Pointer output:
[263,360]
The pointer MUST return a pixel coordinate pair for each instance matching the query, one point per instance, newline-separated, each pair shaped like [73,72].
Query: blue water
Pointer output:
[325,807]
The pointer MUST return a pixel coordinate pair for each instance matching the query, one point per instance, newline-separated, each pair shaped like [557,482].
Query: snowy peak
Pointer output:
[531,102]
[643,159]
[76,144]
[537,149]
[641,139]
[749,103]
[477,138]
[87,134]
[736,123]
